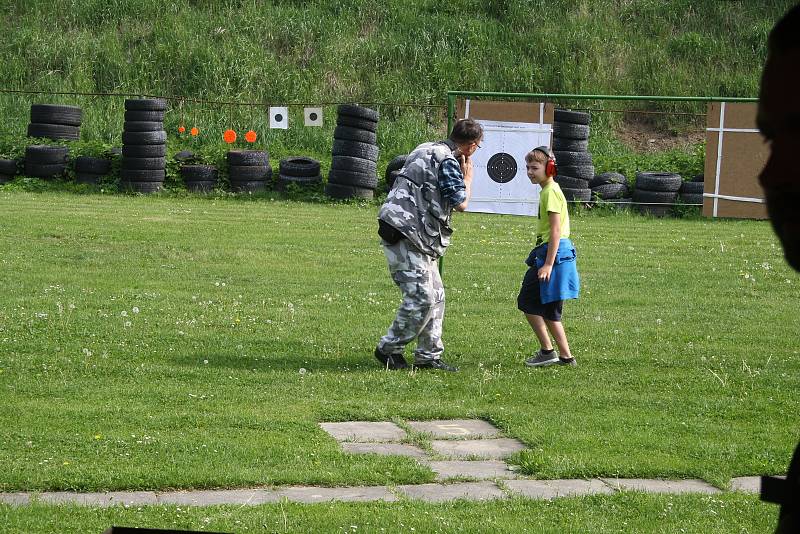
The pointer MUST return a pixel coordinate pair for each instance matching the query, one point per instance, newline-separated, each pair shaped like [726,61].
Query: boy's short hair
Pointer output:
[537,154]
[786,33]
[466,131]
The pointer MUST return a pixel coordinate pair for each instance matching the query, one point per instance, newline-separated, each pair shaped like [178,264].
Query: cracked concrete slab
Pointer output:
[213,497]
[386,449]
[364,431]
[306,494]
[568,487]
[99,499]
[475,491]
[456,428]
[493,449]
[661,486]
[478,469]
[746,484]
[15,499]
[535,489]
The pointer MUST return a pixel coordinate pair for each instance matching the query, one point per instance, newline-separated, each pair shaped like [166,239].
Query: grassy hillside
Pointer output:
[408,52]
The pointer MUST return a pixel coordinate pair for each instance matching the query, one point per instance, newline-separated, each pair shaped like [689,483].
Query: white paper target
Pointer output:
[313,116]
[279,117]
[500,181]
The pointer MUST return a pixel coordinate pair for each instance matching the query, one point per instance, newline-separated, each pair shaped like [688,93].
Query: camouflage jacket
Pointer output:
[415,206]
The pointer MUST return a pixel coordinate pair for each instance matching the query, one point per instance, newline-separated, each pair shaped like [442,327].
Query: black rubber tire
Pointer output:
[8,167]
[184,155]
[355,149]
[205,186]
[355,122]
[698,177]
[46,154]
[577,195]
[117,151]
[571,182]
[359,112]
[574,117]
[658,181]
[141,187]
[566,157]
[608,178]
[570,131]
[54,131]
[88,178]
[139,115]
[198,173]
[5,178]
[144,138]
[249,173]
[300,166]
[584,172]
[45,170]
[142,175]
[691,188]
[253,186]
[144,163]
[610,191]
[145,104]
[656,203]
[248,158]
[346,191]
[142,126]
[570,145]
[349,163]
[144,151]
[355,134]
[56,114]
[302,181]
[356,179]
[397,163]
[90,165]
[391,178]
[692,198]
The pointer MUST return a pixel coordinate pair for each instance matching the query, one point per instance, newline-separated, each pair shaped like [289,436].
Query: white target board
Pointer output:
[500,183]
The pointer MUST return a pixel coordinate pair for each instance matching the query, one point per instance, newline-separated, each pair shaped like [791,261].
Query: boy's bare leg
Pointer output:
[540,329]
[557,329]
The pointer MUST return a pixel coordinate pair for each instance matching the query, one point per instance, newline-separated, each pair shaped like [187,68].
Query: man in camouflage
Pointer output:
[415,228]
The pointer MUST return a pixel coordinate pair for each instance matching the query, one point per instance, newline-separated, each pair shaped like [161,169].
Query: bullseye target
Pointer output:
[501,167]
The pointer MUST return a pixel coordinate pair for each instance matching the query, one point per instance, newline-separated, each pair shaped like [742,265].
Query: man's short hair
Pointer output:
[466,131]
[786,33]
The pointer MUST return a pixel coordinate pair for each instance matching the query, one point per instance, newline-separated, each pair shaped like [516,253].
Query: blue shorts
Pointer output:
[529,299]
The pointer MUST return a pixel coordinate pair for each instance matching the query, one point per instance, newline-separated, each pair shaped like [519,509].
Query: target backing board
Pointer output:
[500,182]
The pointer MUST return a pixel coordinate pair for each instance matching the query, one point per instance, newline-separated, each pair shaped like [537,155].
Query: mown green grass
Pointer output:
[625,512]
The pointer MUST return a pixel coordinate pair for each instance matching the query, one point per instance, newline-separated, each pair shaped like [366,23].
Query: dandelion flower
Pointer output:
[250,136]
[229,136]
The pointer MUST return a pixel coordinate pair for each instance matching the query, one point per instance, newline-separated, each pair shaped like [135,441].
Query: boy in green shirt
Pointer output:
[552,276]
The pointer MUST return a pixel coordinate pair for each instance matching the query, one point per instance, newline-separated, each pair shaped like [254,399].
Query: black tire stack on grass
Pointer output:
[144,146]
[393,169]
[46,161]
[249,171]
[199,178]
[691,192]
[55,121]
[298,170]
[353,171]
[655,193]
[612,188]
[573,160]
[8,170]
[89,170]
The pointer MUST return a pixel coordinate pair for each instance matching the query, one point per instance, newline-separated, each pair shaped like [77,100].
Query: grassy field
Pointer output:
[167,342]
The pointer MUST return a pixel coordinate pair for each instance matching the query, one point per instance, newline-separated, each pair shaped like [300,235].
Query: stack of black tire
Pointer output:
[144,145]
[691,192]
[89,170]
[249,171]
[199,178]
[612,188]
[655,193]
[298,170]
[571,149]
[8,170]
[55,121]
[353,171]
[46,161]
[393,169]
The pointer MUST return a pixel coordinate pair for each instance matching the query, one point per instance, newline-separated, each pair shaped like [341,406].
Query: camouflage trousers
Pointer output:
[421,312]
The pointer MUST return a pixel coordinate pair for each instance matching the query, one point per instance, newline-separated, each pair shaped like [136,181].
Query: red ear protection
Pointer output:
[549,167]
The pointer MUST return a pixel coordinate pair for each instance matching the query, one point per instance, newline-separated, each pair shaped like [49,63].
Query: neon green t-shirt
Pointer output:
[551,200]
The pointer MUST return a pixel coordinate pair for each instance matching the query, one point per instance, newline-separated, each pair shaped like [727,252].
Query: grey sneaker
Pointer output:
[542,360]
[572,362]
